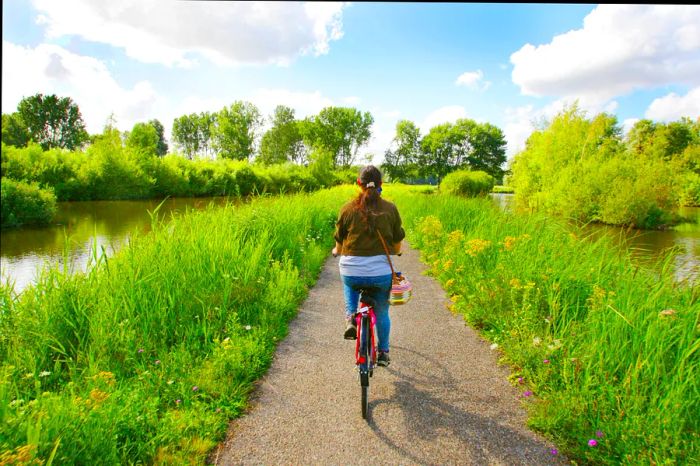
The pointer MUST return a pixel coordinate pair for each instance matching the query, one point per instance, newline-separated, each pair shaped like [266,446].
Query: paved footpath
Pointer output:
[442,400]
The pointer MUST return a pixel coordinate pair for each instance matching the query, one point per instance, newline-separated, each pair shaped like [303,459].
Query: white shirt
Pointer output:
[364,266]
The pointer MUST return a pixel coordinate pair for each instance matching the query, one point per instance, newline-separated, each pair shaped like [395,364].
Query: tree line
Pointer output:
[333,138]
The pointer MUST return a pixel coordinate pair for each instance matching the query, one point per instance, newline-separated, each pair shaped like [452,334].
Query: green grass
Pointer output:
[610,350]
[146,358]
[503,189]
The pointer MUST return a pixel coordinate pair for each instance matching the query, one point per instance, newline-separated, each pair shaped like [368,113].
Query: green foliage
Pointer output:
[609,350]
[503,189]
[146,357]
[25,203]
[143,138]
[193,133]
[14,130]
[467,183]
[283,142]
[465,144]
[582,169]
[341,131]
[162,145]
[110,170]
[234,130]
[52,121]
[401,162]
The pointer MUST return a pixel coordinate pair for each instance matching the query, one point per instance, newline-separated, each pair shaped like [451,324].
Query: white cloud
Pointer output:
[175,33]
[473,80]
[50,69]
[619,49]
[674,107]
[304,103]
[447,114]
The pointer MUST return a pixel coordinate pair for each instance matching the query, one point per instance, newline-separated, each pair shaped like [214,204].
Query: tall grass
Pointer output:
[605,352]
[146,357]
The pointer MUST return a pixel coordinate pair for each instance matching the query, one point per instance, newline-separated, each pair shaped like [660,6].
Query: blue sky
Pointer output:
[507,64]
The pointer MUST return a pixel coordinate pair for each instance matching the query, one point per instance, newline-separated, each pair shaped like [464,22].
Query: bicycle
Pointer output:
[365,346]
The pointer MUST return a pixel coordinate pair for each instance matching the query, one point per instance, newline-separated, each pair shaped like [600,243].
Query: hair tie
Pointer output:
[370,184]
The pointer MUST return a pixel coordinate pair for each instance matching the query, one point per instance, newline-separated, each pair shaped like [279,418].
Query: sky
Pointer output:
[511,65]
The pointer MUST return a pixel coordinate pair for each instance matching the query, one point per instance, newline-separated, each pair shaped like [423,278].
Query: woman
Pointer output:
[363,262]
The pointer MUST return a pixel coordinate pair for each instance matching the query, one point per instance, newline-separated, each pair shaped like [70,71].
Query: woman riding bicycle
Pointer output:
[363,263]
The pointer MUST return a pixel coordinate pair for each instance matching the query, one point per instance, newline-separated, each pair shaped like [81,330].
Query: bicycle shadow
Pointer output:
[428,417]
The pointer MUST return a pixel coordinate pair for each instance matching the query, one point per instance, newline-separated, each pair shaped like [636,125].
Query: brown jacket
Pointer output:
[351,230]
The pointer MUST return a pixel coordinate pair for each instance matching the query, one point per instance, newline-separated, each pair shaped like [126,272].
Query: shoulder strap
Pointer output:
[386,251]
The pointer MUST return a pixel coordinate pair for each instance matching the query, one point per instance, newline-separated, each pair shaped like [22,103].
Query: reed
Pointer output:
[147,356]
[606,353]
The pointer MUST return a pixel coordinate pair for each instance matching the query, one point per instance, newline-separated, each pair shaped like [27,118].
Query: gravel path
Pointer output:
[443,399]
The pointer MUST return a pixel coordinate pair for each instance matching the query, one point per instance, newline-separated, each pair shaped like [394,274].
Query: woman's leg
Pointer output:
[381,310]
[352,297]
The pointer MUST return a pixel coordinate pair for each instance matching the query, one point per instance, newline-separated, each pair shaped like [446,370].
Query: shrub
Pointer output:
[25,203]
[467,183]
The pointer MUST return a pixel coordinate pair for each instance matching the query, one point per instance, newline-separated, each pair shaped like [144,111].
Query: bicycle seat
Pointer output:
[364,296]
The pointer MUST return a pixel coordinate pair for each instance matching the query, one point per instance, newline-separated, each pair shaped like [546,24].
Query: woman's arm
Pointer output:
[338,249]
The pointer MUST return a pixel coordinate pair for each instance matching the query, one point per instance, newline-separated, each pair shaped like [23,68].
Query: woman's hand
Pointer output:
[335,252]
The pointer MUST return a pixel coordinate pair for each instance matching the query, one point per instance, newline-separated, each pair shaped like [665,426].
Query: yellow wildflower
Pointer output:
[509,243]
[475,246]
[515,283]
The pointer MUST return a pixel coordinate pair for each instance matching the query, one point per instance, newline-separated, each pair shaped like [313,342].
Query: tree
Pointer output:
[186,134]
[235,130]
[204,125]
[162,146]
[143,138]
[437,151]
[465,144]
[282,142]
[340,130]
[14,131]
[400,160]
[52,121]
[488,149]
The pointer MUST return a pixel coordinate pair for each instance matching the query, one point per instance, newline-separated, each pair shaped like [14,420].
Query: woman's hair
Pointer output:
[370,180]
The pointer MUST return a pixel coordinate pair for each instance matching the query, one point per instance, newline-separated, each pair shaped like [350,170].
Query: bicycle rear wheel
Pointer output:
[366,353]
[365,401]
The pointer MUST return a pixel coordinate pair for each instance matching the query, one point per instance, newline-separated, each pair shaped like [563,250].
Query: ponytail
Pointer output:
[370,180]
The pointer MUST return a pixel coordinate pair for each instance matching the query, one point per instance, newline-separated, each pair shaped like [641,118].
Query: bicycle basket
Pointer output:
[401,290]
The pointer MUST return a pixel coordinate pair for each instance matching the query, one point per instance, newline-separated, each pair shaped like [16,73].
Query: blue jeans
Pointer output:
[351,286]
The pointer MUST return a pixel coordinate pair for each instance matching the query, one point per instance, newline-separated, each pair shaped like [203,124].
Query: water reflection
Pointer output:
[649,246]
[105,225]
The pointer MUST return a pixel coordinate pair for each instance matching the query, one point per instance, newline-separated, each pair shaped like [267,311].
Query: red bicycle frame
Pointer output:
[369,310]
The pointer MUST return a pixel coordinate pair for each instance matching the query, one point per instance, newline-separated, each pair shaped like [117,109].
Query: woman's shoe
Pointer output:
[383,359]
[350,331]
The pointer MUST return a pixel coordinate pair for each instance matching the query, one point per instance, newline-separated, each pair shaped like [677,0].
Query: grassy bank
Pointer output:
[607,355]
[147,357]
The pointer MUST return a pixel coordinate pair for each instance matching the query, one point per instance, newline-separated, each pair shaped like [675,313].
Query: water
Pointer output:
[109,224]
[648,246]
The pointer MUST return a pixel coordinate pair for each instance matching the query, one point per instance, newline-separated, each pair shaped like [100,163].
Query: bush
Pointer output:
[25,203]
[467,183]
[108,170]
[582,169]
